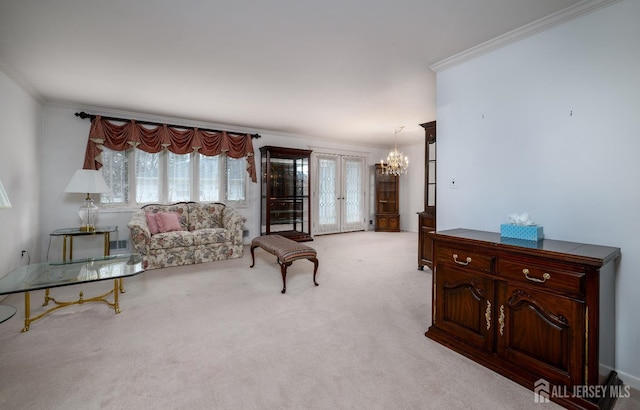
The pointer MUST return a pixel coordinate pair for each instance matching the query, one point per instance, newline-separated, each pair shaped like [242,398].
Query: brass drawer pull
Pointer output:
[545,277]
[487,315]
[455,259]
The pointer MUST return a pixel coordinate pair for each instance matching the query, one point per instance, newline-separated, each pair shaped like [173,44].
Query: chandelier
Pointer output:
[397,162]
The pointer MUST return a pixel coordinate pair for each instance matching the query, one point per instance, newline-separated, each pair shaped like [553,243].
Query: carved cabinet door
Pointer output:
[464,306]
[541,332]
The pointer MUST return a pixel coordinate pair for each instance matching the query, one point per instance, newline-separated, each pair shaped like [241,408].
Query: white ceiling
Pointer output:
[352,70]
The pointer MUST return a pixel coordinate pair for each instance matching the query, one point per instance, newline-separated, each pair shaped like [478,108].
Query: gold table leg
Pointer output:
[27,311]
[59,305]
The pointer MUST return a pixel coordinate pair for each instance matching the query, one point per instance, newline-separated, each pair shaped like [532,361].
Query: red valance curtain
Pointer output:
[155,138]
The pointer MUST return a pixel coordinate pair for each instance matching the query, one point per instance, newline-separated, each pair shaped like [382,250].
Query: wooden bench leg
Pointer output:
[253,259]
[283,270]
[315,269]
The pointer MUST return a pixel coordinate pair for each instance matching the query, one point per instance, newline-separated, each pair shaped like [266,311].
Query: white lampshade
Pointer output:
[87,181]
[4,199]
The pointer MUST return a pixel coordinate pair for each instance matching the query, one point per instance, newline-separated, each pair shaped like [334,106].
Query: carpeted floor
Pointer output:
[221,336]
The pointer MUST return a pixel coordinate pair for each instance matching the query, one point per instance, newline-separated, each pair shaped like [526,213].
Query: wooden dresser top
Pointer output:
[594,255]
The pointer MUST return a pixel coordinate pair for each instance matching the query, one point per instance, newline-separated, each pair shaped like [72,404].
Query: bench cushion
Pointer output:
[285,249]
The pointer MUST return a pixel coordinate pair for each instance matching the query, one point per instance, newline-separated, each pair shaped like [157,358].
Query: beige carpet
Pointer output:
[221,336]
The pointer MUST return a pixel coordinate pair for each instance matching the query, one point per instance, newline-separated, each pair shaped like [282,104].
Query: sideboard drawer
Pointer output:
[540,276]
[465,259]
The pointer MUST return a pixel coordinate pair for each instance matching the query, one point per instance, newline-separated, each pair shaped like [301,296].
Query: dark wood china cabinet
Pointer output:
[387,201]
[285,200]
[427,218]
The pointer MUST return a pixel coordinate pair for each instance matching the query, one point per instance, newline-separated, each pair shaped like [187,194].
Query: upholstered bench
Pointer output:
[286,251]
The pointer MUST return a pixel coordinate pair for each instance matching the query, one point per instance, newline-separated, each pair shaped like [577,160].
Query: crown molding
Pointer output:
[528,30]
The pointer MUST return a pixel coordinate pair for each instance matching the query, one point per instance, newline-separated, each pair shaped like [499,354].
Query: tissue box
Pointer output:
[526,232]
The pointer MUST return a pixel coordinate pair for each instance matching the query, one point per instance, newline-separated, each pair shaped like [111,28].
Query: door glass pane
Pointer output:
[353,191]
[432,195]
[178,177]
[432,172]
[147,177]
[115,170]
[327,195]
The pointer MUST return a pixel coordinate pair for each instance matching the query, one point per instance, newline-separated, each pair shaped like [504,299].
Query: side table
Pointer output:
[70,233]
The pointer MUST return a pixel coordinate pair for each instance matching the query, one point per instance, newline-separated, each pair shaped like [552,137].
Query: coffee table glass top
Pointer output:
[55,274]
[6,312]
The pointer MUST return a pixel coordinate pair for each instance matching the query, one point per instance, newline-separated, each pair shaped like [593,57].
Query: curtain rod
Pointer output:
[84,116]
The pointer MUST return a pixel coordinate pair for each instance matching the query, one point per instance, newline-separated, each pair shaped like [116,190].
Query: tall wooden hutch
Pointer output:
[285,200]
[387,202]
[427,218]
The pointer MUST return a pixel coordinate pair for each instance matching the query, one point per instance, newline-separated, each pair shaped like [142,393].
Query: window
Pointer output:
[166,177]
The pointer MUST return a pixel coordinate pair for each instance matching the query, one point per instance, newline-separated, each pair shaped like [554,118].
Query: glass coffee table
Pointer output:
[51,275]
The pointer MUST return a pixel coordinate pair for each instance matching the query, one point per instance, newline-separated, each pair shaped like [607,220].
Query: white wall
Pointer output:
[412,188]
[550,125]
[19,173]
[64,139]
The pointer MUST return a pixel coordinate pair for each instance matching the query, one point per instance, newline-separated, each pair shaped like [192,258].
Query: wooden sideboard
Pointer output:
[540,313]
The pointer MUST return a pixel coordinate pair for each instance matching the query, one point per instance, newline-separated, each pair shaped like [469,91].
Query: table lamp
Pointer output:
[87,181]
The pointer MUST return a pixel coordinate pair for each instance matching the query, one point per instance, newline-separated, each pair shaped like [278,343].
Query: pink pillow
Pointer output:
[168,221]
[151,221]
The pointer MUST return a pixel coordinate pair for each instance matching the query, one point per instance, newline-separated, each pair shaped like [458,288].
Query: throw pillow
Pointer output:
[153,224]
[168,222]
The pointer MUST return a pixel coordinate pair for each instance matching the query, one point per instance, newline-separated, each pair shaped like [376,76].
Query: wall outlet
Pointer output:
[452,183]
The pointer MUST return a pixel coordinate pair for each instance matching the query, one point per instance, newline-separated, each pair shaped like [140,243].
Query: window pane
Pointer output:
[179,177]
[115,170]
[147,177]
[209,178]
[236,174]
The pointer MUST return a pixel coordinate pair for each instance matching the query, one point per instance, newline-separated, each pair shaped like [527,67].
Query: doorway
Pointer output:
[340,194]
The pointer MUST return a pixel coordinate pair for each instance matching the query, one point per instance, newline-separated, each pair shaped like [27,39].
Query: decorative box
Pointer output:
[526,232]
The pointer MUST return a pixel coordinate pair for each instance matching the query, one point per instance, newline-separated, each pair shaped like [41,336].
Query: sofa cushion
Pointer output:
[152,223]
[181,208]
[168,222]
[208,236]
[174,239]
[205,216]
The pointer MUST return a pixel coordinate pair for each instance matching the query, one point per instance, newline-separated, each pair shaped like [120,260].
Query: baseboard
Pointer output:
[629,380]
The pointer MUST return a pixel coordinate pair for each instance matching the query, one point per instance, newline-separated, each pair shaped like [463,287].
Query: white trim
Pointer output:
[545,23]
[629,379]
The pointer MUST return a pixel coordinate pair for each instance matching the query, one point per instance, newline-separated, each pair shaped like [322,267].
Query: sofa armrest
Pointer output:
[139,234]
[233,221]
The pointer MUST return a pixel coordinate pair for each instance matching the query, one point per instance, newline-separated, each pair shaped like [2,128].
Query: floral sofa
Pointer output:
[201,232]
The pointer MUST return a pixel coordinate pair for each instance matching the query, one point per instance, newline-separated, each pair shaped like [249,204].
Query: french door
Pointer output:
[340,194]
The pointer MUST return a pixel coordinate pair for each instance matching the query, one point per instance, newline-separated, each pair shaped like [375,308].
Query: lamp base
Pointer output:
[88,215]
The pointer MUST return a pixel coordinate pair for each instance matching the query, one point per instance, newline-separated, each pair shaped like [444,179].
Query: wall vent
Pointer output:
[123,244]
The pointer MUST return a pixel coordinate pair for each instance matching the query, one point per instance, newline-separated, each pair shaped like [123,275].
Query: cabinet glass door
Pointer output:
[285,193]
